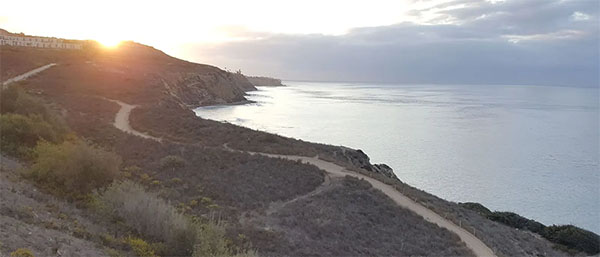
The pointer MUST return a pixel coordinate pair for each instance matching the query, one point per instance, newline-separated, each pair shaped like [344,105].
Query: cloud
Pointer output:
[558,35]
[579,16]
[464,41]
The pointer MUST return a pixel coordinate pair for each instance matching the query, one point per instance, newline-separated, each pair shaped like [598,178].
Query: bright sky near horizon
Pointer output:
[409,41]
[178,22]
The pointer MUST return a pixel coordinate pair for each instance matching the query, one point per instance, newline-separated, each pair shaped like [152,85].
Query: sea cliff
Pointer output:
[265,81]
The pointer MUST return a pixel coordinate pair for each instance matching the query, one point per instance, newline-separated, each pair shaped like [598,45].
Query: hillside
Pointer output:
[132,72]
[274,206]
[265,81]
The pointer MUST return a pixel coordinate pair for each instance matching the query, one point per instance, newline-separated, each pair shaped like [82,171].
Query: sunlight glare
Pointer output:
[109,42]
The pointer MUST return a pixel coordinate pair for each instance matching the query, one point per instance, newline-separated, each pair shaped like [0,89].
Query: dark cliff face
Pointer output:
[206,87]
[265,82]
[358,159]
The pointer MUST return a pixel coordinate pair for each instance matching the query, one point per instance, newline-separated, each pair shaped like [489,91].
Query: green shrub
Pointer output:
[18,133]
[206,200]
[140,247]
[479,208]
[22,252]
[145,177]
[568,238]
[172,162]
[211,241]
[113,253]
[516,221]
[15,100]
[73,168]
[573,238]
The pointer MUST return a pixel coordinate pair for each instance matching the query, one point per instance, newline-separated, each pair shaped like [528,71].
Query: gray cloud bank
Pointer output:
[542,42]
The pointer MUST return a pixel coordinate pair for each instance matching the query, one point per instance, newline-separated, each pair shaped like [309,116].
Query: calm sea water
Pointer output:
[533,150]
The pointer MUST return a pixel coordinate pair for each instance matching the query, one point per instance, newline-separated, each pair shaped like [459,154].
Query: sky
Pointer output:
[545,42]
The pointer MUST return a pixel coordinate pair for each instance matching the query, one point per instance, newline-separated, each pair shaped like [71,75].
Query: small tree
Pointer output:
[172,162]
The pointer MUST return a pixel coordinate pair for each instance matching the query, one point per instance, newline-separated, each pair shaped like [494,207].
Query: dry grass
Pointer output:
[151,216]
[353,219]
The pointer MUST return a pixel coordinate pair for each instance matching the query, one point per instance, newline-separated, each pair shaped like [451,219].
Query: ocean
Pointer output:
[532,150]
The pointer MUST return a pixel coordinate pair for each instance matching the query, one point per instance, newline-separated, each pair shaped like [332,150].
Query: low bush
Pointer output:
[568,237]
[211,241]
[140,247]
[516,221]
[479,208]
[573,238]
[24,120]
[155,219]
[172,162]
[22,252]
[151,216]
[73,168]
[15,100]
[18,133]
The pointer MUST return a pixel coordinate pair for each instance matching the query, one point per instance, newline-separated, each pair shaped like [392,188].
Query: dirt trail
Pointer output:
[122,121]
[277,206]
[27,74]
[472,242]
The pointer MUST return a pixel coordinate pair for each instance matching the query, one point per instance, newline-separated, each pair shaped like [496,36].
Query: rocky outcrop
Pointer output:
[191,84]
[359,159]
[384,169]
[207,88]
[265,82]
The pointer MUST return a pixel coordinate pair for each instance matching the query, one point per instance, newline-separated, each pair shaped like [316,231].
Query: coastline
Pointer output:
[322,114]
[458,216]
[208,106]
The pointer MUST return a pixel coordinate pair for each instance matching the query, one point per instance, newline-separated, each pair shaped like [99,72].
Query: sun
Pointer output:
[109,42]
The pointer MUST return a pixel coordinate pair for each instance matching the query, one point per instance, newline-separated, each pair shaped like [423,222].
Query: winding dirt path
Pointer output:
[472,242]
[122,121]
[26,74]
[275,207]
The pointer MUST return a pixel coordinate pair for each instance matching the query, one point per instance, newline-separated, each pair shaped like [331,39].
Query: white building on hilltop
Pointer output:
[42,42]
